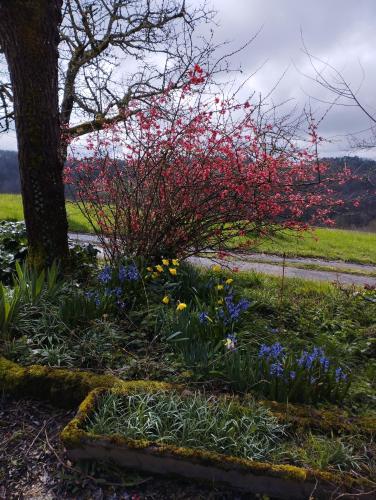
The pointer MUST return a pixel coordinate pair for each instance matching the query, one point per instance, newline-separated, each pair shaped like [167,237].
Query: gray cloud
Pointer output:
[341,32]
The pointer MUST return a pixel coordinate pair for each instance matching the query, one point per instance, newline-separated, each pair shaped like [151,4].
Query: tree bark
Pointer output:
[29,37]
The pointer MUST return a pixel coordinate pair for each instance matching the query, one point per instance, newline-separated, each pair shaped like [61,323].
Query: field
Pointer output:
[329,244]
[11,209]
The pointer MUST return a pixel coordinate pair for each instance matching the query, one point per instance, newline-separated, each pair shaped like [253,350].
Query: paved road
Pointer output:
[246,264]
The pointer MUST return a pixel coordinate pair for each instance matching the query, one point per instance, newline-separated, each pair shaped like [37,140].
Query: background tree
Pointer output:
[29,37]
[115,51]
[343,93]
[111,52]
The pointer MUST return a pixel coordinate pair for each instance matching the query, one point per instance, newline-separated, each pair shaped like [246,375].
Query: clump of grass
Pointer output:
[322,452]
[194,421]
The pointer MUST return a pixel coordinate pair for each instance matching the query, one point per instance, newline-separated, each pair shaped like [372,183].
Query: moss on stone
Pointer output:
[326,420]
[62,387]
[74,436]
[67,388]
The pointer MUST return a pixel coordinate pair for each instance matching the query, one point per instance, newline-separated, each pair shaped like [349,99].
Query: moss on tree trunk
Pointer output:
[29,37]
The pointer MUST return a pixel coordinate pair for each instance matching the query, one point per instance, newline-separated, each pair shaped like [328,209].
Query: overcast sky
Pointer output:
[341,32]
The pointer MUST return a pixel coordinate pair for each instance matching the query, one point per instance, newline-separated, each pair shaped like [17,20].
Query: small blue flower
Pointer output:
[243,304]
[264,351]
[132,273]
[292,375]
[324,363]
[340,375]
[220,313]
[276,369]
[302,359]
[203,317]
[276,350]
[105,275]
[122,274]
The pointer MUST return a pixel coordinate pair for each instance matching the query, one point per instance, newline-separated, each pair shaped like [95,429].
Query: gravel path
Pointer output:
[245,263]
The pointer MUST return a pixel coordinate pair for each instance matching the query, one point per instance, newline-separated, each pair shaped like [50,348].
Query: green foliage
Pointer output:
[192,421]
[321,452]
[9,305]
[280,375]
[33,284]
[13,248]
[84,262]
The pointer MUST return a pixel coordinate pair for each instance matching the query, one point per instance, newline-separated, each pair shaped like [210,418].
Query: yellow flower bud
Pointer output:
[220,301]
[229,281]
[150,269]
[172,271]
[159,268]
[216,268]
[175,262]
[165,262]
[220,287]
[181,306]
[166,299]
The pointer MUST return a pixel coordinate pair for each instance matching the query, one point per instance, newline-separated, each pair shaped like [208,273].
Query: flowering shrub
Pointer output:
[184,175]
[281,375]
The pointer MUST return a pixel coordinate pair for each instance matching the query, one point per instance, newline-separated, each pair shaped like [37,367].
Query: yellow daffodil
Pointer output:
[220,301]
[229,281]
[175,262]
[172,271]
[181,306]
[154,275]
[166,299]
[165,262]
[159,268]
[216,268]
[150,269]
[220,287]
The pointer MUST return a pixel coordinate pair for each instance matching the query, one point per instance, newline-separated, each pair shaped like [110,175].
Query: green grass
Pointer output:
[207,422]
[329,244]
[11,209]
[197,421]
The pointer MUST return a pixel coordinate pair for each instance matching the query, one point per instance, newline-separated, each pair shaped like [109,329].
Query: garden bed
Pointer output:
[300,355]
[64,387]
[279,480]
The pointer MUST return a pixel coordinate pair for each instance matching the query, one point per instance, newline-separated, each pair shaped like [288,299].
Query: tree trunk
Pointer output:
[29,36]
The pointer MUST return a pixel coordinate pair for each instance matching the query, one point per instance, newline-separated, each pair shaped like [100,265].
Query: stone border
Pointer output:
[67,388]
[283,481]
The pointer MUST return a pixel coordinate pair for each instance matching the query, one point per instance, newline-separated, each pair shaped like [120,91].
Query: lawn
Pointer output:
[11,209]
[329,244]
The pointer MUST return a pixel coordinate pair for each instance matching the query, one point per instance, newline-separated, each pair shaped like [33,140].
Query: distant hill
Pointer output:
[9,176]
[363,188]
